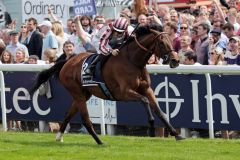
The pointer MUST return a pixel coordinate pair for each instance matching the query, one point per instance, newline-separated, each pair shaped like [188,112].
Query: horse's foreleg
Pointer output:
[72,111]
[145,102]
[134,96]
[157,110]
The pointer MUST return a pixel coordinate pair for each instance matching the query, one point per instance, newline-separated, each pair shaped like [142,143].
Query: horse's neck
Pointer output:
[138,56]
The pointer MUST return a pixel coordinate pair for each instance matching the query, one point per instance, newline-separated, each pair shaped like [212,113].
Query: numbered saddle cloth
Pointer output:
[95,79]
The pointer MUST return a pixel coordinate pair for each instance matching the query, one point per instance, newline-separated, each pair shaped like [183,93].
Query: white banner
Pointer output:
[39,9]
[94,109]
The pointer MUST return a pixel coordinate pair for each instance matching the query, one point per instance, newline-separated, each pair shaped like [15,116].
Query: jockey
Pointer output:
[107,39]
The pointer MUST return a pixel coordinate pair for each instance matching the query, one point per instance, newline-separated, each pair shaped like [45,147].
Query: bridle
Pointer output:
[154,40]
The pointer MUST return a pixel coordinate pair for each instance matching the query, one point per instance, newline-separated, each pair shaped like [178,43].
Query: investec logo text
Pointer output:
[22,94]
[195,98]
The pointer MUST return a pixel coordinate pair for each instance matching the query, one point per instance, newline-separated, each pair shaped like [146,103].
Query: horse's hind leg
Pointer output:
[71,112]
[82,107]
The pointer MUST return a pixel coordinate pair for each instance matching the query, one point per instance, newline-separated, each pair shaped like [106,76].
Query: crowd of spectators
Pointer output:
[201,35]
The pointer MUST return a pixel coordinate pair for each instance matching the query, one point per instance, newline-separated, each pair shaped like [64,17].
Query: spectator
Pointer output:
[86,24]
[68,48]
[190,58]
[57,29]
[33,59]
[50,55]
[171,29]
[232,56]
[203,9]
[6,57]
[14,44]
[231,17]
[6,36]
[228,30]
[142,19]
[2,46]
[238,21]
[49,40]
[20,56]
[138,7]
[184,29]
[217,24]
[69,29]
[153,60]
[23,35]
[163,11]
[98,23]
[174,16]
[216,40]
[216,56]
[80,38]
[203,18]
[202,44]
[126,12]
[185,43]
[166,18]
[195,38]
[34,40]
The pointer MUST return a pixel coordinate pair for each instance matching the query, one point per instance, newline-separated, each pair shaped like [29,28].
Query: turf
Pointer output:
[36,146]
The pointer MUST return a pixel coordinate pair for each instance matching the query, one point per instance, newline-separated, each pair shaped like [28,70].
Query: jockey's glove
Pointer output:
[115,52]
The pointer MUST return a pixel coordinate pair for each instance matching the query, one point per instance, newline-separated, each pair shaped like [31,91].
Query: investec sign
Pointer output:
[184,100]
[39,9]
[182,97]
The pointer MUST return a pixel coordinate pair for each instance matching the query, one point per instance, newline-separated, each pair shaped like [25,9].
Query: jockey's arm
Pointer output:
[104,47]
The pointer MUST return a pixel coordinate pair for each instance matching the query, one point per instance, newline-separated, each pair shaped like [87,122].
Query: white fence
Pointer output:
[206,69]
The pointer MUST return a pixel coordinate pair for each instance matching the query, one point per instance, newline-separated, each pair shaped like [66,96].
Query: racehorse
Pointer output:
[125,76]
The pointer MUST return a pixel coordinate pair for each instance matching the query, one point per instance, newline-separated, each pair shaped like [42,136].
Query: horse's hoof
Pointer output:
[59,140]
[59,137]
[178,138]
[151,132]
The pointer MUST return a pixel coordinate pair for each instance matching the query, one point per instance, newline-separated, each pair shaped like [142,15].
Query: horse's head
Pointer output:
[152,40]
[163,48]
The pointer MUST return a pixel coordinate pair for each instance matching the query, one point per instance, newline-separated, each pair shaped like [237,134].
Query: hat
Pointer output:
[236,38]
[216,30]
[46,23]
[13,32]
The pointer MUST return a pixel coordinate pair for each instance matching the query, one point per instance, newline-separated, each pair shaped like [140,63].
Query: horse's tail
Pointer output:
[45,75]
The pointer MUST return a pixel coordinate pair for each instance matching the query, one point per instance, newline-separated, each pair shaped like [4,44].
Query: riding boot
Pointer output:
[90,67]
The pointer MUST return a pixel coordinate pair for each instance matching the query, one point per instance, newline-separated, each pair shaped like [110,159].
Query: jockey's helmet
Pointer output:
[120,25]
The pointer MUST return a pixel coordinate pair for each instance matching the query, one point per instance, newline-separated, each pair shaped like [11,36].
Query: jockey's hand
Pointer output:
[115,52]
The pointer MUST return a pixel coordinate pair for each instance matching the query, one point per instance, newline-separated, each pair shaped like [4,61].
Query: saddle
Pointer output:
[95,79]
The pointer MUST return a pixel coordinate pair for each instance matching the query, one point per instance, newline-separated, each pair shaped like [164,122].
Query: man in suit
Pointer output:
[35,39]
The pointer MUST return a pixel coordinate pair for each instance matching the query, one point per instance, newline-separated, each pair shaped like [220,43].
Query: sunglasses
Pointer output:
[23,26]
[212,53]
[183,28]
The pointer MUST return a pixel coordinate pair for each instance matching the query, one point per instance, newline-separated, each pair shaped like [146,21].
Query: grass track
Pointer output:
[36,146]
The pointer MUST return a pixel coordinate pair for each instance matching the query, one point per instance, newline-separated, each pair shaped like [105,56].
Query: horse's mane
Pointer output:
[146,29]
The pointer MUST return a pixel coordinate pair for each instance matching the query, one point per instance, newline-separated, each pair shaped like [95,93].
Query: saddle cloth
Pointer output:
[95,79]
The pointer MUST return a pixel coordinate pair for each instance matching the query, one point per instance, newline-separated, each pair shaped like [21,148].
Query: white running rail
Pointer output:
[204,69]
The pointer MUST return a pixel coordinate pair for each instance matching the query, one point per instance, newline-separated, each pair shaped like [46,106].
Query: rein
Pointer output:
[153,31]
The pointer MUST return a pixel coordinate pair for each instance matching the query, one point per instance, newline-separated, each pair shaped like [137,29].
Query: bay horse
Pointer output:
[125,76]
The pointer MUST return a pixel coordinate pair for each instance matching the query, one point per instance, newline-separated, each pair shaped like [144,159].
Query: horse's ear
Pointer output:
[156,27]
